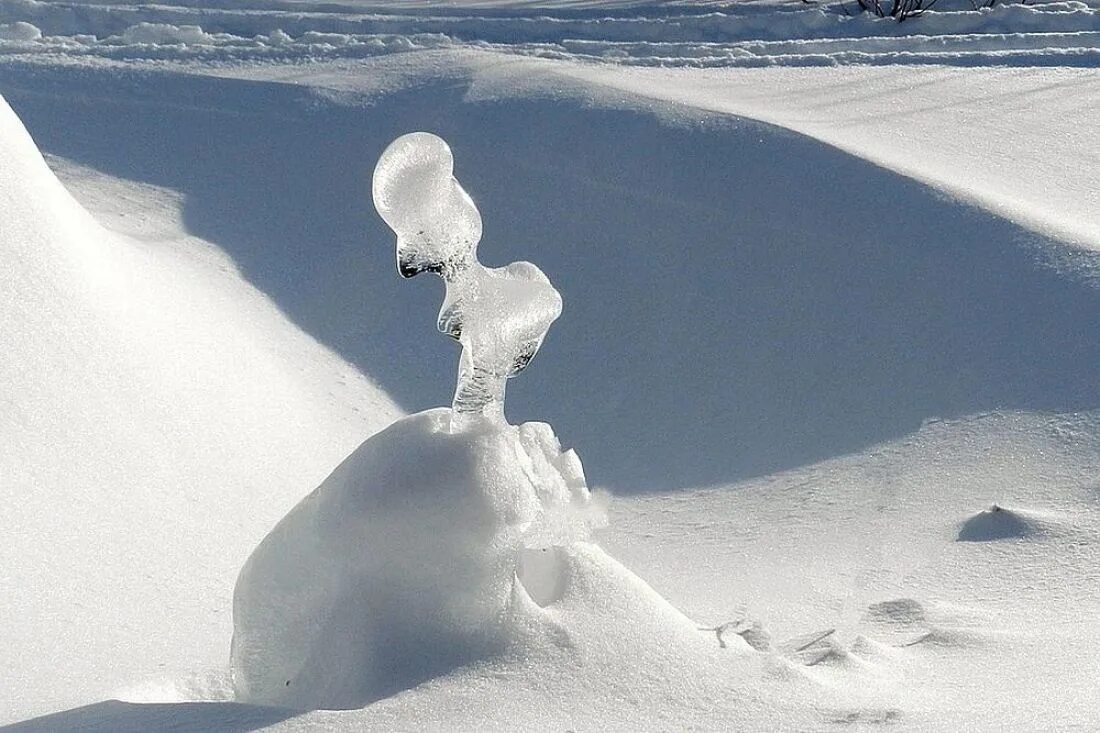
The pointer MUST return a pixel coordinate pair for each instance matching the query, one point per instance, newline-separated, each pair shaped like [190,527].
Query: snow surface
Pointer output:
[402,565]
[159,416]
[974,138]
[703,35]
[857,446]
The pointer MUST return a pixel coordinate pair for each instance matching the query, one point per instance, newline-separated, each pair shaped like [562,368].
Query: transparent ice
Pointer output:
[499,315]
[435,543]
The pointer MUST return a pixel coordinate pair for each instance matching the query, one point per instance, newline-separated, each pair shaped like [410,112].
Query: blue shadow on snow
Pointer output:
[739,299]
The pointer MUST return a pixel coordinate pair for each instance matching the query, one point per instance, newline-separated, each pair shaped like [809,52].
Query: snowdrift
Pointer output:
[726,341]
[159,416]
[436,571]
[705,339]
[403,564]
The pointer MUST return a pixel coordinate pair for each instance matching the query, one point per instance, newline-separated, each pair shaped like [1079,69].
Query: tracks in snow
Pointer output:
[1060,33]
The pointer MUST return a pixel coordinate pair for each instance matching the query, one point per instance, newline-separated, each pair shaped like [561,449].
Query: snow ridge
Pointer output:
[1062,33]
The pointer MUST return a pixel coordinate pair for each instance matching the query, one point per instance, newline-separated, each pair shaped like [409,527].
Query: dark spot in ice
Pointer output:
[411,269]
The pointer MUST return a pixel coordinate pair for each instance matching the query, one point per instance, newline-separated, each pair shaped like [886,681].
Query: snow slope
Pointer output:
[858,366]
[159,416]
[806,356]
[973,619]
[971,134]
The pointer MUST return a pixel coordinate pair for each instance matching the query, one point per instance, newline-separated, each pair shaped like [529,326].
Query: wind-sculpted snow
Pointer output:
[1056,33]
[143,381]
[403,564]
[421,550]
[870,305]
[499,315]
[20,31]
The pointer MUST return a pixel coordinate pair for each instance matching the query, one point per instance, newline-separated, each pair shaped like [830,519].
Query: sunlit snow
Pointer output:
[829,353]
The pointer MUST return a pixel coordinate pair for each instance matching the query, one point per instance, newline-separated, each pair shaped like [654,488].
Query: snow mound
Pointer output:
[906,622]
[19,31]
[998,523]
[403,564]
[145,388]
[166,34]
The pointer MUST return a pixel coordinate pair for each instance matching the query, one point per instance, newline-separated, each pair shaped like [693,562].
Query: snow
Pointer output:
[119,350]
[19,31]
[829,340]
[164,34]
[982,634]
[689,34]
[402,565]
[973,138]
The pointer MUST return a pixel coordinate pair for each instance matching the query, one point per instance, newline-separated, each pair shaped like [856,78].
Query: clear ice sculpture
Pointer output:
[499,315]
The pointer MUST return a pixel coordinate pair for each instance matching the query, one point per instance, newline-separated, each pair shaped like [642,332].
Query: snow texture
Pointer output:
[807,472]
[19,31]
[695,35]
[159,416]
[405,563]
[402,565]
[500,315]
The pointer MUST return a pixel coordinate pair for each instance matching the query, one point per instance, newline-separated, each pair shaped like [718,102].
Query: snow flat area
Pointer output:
[818,322]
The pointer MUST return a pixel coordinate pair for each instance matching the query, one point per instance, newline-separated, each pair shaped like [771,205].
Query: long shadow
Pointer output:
[738,299]
[115,716]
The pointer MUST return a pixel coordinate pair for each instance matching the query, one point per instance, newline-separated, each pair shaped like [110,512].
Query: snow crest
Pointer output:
[416,555]
[1012,34]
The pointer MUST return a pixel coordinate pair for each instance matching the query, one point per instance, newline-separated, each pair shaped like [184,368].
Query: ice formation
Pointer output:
[432,544]
[499,315]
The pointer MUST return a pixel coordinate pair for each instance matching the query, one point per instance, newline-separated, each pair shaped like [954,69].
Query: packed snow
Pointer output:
[403,564]
[828,352]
